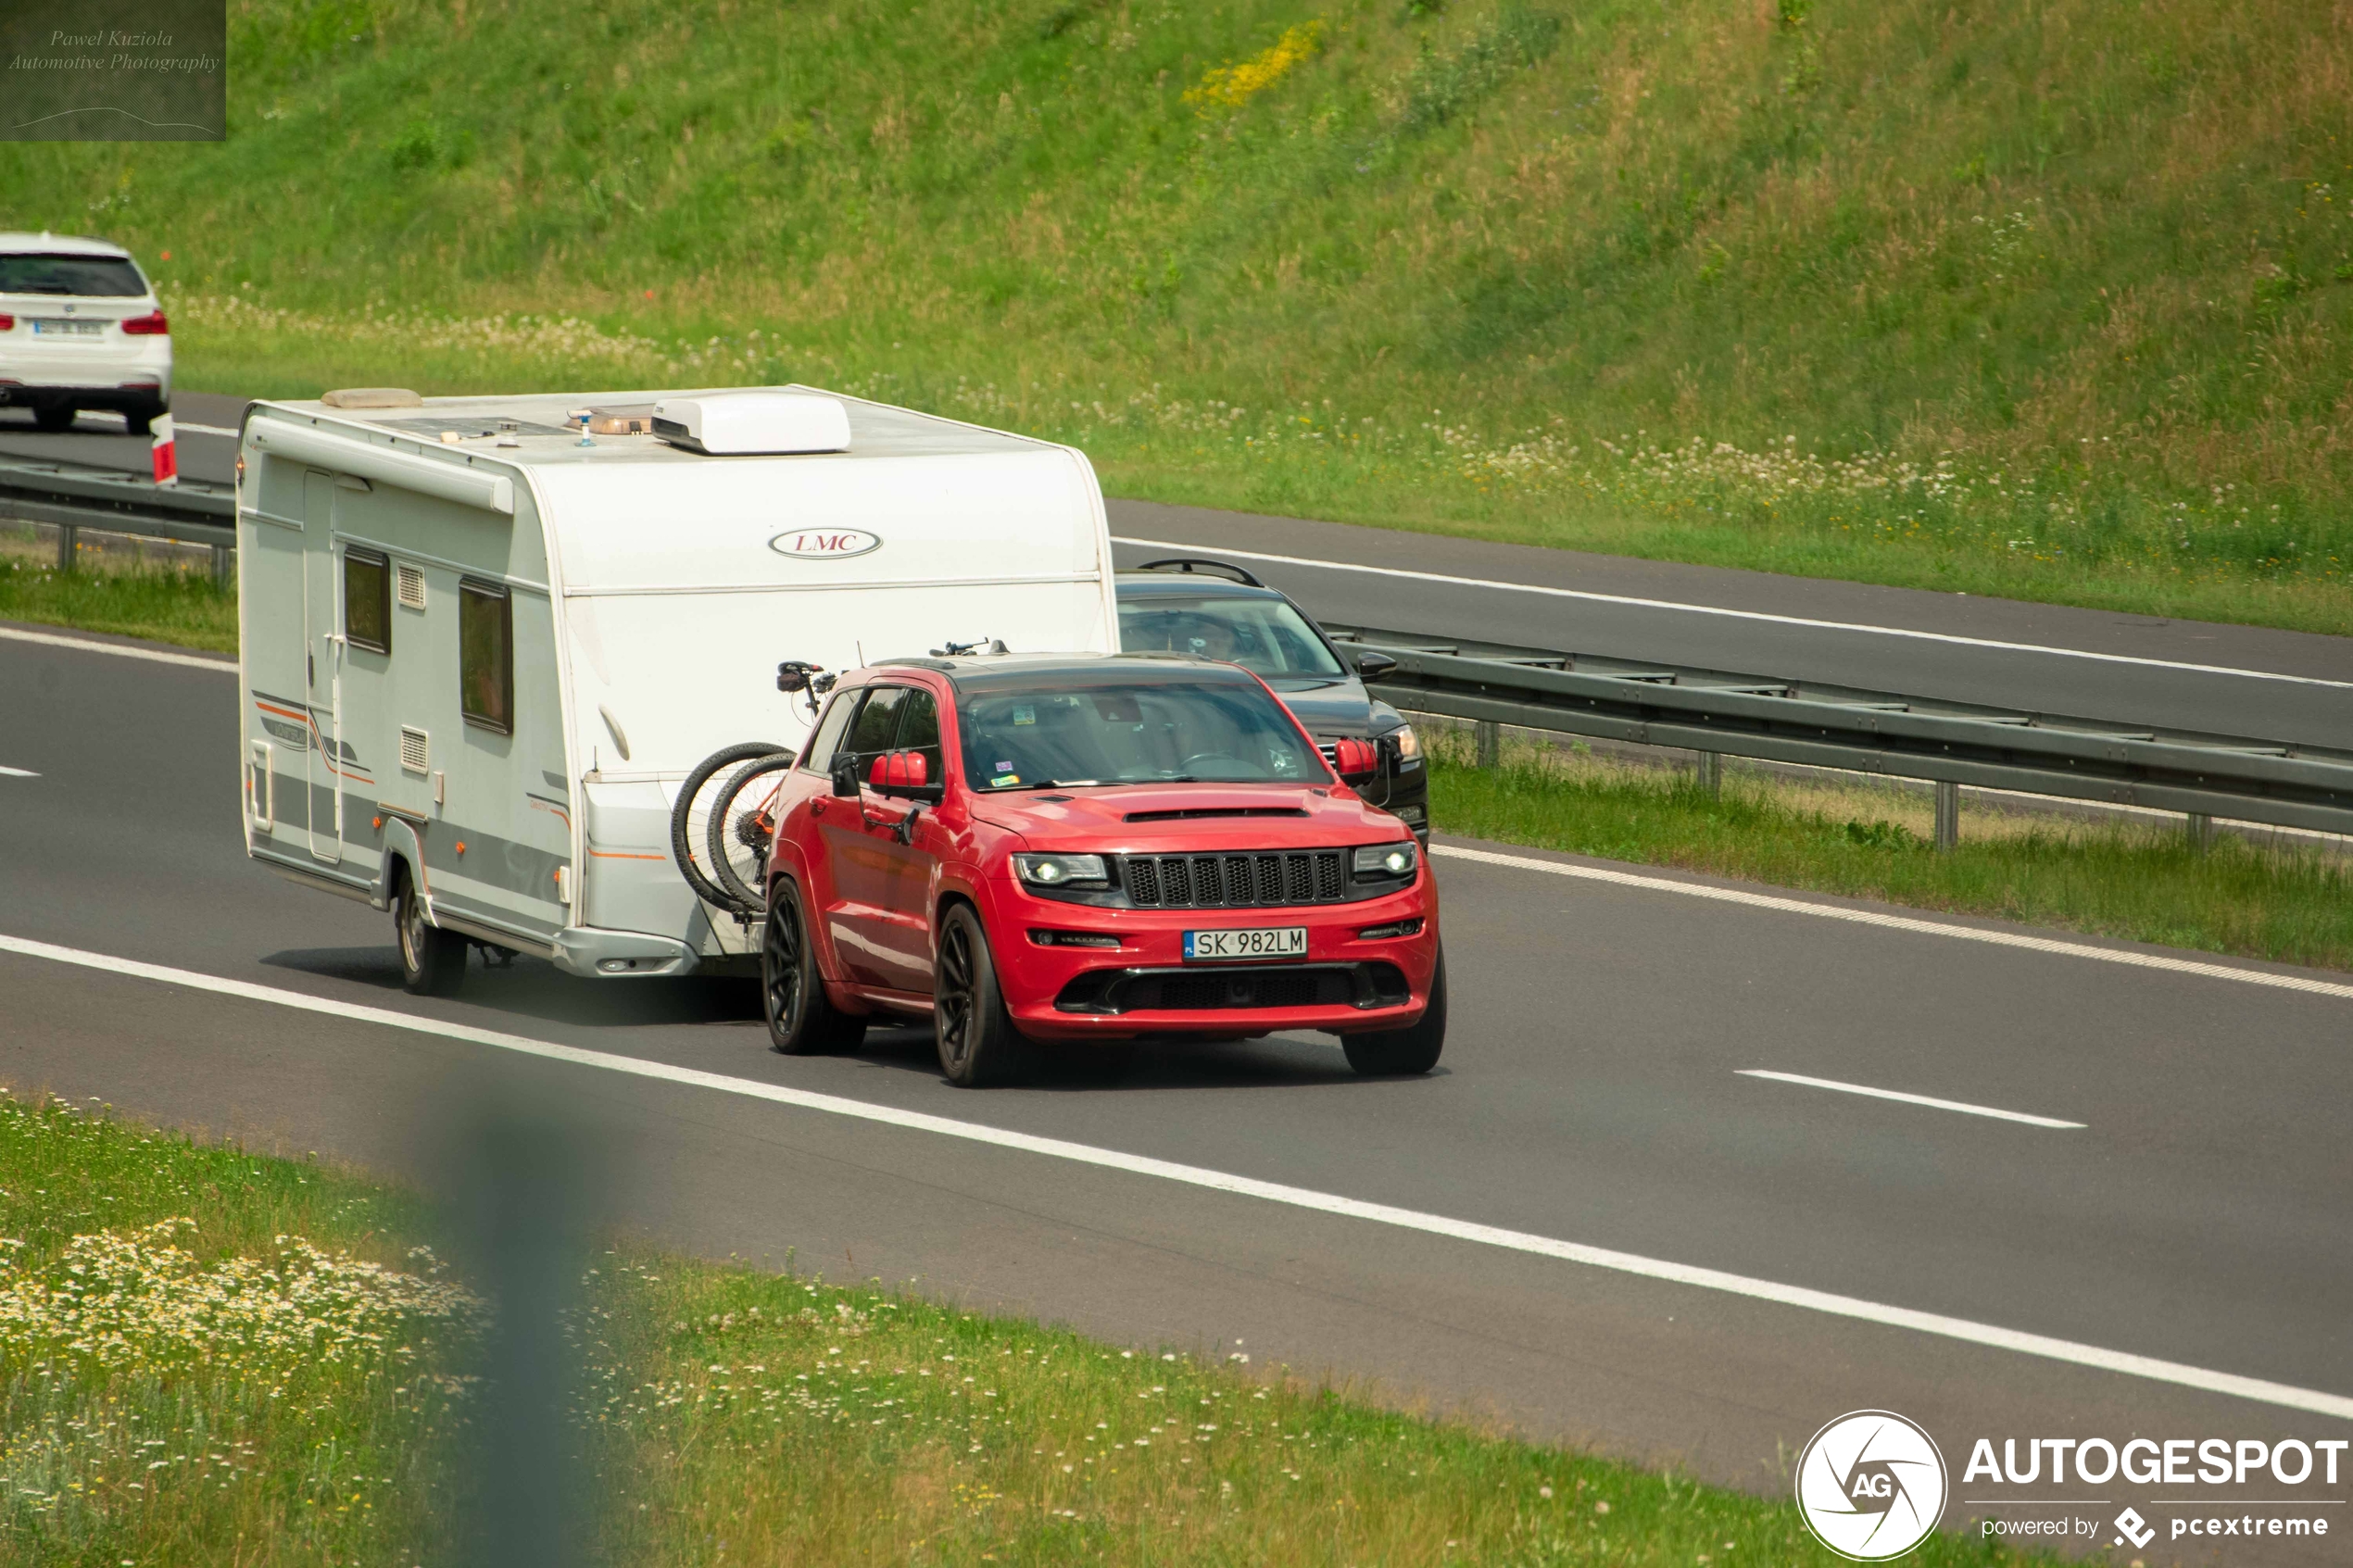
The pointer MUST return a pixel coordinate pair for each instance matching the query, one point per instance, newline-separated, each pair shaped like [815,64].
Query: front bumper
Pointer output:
[1345,983]
[597,954]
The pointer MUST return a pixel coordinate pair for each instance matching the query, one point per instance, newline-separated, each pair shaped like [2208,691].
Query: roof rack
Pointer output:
[1188,564]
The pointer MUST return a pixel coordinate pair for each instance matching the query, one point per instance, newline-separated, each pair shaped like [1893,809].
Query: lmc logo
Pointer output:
[1871,1486]
[825,544]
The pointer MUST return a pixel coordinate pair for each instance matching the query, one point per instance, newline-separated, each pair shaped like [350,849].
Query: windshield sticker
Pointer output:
[1025,716]
[1005,780]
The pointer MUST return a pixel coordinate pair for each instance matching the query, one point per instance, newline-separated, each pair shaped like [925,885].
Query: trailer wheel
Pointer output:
[433,961]
[738,836]
[691,821]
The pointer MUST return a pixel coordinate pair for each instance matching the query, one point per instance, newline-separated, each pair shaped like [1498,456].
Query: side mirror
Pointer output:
[1372,664]
[846,777]
[900,772]
[1353,758]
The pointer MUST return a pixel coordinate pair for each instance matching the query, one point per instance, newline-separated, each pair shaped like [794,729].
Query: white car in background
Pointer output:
[80,328]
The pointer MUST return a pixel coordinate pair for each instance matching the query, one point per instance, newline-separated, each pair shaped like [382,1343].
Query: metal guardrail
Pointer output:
[1721,713]
[1717,713]
[74,496]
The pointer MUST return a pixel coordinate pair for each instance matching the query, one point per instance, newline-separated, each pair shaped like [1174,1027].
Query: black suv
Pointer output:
[1213,610]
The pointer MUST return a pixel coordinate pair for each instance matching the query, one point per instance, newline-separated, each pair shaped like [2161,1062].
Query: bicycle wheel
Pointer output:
[690,818]
[741,829]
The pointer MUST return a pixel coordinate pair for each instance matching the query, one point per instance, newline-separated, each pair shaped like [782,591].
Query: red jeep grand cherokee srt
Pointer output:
[1094,849]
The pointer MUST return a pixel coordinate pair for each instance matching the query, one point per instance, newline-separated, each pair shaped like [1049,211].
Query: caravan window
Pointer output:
[367,600]
[486,655]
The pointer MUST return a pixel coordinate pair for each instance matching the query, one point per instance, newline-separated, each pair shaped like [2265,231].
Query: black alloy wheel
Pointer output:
[978,1044]
[801,1018]
[1412,1050]
[433,961]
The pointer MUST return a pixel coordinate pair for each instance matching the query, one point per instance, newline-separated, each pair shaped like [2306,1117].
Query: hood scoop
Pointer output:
[1214,811]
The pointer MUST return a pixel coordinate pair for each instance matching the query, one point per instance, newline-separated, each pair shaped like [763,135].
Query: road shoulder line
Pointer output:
[2232,1385]
[156,652]
[1902,922]
[1590,596]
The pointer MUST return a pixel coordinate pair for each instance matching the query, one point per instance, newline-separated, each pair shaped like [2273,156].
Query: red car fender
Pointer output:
[788,860]
[960,881]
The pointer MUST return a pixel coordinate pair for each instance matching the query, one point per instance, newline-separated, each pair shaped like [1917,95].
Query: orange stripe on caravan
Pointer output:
[618,855]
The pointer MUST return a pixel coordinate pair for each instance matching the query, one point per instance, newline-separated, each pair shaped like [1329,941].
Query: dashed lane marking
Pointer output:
[1961,1105]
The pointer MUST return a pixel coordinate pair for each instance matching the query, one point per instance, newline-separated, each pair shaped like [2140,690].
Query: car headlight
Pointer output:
[1409,745]
[1387,860]
[1061,871]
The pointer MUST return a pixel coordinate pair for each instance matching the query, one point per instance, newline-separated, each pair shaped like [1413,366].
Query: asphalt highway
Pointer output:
[2043,658]
[1594,1091]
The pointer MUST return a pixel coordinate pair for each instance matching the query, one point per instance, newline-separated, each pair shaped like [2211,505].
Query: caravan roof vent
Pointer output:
[741,423]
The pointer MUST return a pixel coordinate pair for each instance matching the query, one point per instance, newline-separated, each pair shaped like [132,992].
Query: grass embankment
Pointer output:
[168,606]
[2052,301]
[730,1416]
[2142,882]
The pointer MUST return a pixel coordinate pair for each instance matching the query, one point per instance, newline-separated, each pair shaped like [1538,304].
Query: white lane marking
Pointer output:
[18,773]
[1959,1105]
[180,425]
[2260,1390]
[1743,614]
[1905,923]
[86,645]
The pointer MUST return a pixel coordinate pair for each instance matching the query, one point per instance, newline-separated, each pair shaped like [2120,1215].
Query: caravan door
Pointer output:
[321,663]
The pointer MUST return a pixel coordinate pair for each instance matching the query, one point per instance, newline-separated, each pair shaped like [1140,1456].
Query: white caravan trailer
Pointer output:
[484,638]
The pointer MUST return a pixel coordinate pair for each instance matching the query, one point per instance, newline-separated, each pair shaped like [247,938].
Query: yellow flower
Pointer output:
[1232,86]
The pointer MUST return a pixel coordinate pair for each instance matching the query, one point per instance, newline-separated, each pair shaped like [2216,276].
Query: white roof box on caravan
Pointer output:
[749,423]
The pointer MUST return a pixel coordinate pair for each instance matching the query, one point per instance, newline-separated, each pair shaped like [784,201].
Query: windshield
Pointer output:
[1263,636]
[1132,733]
[104,276]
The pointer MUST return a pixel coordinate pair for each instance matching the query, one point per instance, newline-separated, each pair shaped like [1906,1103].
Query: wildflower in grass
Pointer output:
[1230,87]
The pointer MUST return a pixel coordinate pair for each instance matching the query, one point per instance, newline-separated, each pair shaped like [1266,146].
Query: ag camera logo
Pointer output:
[1871,1486]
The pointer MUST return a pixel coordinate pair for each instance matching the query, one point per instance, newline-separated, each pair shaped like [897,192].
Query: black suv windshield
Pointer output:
[1073,732]
[1263,636]
[102,276]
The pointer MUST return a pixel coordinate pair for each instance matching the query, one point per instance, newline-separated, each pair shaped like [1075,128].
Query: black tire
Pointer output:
[801,1018]
[737,863]
[978,1044]
[1397,1052]
[433,961]
[686,820]
[53,417]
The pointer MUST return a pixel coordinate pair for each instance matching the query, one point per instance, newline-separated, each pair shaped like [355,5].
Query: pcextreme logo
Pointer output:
[825,544]
[1871,1486]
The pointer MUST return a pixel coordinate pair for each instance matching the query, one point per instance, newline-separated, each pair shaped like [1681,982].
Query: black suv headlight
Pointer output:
[1386,862]
[1061,871]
